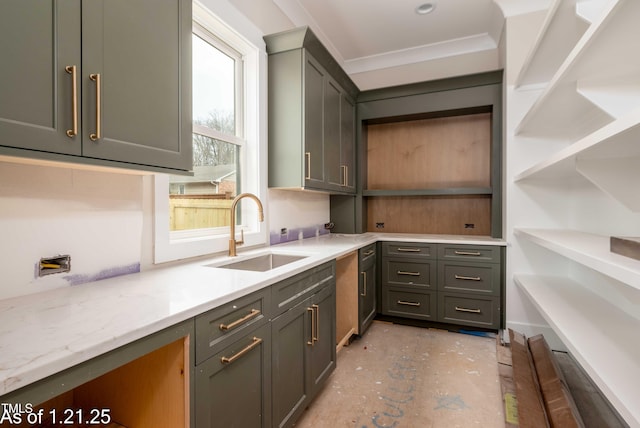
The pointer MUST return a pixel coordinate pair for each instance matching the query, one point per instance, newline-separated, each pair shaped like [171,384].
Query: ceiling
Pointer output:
[382,43]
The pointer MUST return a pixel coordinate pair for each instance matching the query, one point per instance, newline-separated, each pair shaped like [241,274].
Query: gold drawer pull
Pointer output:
[468,278]
[255,342]
[364,284]
[473,311]
[402,302]
[368,253]
[71,69]
[345,180]
[252,314]
[402,272]
[307,157]
[409,250]
[467,253]
[98,134]
[313,326]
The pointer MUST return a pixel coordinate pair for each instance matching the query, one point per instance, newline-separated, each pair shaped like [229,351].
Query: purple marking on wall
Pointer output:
[275,237]
[103,274]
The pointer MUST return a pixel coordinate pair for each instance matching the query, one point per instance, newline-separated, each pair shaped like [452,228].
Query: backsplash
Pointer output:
[296,215]
[95,217]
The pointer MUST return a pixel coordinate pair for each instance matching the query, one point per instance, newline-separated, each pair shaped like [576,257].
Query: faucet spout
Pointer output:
[232,234]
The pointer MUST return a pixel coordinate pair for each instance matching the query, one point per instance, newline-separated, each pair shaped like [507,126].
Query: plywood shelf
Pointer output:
[600,336]
[590,250]
[448,191]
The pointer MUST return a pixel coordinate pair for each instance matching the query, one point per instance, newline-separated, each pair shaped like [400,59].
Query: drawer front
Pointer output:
[469,310]
[477,253]
[409,249]
[289,292]
[480,278]
[367,255]
[409,273]
[229,321]
[410,304]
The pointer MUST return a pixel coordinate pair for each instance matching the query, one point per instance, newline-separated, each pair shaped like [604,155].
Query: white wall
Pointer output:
[95,217]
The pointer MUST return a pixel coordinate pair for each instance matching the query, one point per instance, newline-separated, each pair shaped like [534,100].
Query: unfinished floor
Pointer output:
[402,376]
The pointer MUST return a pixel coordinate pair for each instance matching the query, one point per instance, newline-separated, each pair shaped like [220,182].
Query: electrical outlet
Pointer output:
[469,226]
[55,264]
[284,231]
[379,225]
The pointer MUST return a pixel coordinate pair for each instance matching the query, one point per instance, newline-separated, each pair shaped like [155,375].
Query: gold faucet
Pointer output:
[232,235]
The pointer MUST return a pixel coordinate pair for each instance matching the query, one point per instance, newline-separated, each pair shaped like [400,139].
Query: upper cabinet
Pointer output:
[311,116]
[97,82]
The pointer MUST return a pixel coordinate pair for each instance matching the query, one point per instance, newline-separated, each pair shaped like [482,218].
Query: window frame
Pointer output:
[250,136]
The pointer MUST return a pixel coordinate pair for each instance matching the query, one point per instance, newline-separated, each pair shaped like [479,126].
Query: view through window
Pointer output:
[203,201]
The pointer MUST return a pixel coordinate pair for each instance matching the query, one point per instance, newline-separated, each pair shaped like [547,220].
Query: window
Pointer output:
[192,214]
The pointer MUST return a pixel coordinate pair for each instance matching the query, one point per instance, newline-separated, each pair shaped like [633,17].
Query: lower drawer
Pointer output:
[410,304]
[469,310]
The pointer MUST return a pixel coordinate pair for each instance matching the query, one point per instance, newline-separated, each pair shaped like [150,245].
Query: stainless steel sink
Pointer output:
[261,263]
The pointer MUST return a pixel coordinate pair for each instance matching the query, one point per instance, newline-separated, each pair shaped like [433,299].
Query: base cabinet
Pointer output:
[366,287]
[303,343]
[451,283]
[232,387]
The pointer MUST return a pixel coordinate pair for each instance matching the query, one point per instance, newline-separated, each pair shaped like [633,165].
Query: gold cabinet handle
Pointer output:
[254,342]
[307,158]
[402,302]
[467,278]
[254,313]
[98,134]
[316,336]
[467,253]
[345,180]
[364,284]
[368,253]
[473,311]
[71,69]
[409,250]
[402,272]
[313,326]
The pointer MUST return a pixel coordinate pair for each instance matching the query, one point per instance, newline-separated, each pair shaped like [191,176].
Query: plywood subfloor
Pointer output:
[402,376]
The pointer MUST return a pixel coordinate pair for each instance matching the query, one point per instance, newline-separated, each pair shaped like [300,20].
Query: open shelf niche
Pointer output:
[430,159]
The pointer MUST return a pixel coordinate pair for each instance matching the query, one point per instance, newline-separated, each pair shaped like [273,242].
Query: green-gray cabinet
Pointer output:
[311,116]
[366,287]
[104,82]
[233,364]
[303,340]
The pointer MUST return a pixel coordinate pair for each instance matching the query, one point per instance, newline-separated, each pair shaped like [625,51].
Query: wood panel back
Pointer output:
[430,214]
[430,153]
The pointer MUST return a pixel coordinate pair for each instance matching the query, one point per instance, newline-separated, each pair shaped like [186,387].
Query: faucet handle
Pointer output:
[241,241]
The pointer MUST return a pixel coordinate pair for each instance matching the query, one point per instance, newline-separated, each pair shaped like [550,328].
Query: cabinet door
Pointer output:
[323,350]
[314,76]
[367,297]
[348,143]
[141,50]
[236,393]
[291,335]
[332,131]
[38,39]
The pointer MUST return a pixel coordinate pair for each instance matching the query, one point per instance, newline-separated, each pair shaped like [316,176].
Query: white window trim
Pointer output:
[248,41]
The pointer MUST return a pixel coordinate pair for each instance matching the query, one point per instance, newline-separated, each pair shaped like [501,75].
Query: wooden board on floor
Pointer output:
[531,412]
[558,402]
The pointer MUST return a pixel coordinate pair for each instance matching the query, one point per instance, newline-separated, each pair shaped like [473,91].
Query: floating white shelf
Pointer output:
[590,250]
[615,143]
[560,32]
[585,92]
[602,338]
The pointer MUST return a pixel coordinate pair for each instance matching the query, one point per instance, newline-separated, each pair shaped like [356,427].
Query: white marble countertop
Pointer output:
[44,333]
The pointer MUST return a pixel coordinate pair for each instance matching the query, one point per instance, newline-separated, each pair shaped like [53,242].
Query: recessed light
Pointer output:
[425,8]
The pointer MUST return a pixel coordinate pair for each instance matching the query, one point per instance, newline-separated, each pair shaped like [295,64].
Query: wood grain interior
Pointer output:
[150,391]
[430,214]
[346,298]
[430,153]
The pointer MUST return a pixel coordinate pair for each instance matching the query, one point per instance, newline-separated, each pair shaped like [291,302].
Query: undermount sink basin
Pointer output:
[261,263]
